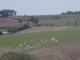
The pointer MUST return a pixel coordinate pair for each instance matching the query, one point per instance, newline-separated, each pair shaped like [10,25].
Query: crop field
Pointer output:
[46,19]
[47,22]
[60,21]
[7,21]
[31,39]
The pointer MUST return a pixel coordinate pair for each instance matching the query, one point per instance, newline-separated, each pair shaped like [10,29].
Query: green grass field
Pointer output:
[62,36]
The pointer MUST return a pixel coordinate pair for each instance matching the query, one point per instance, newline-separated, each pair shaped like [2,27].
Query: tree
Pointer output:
[56,17]
[28,23]
[68,22]
[36,20]
[9,30]
[1,33]
[31,19]
[51,24]
[25,26]
[6,13]
[71,12]
[75,23]
[20,21]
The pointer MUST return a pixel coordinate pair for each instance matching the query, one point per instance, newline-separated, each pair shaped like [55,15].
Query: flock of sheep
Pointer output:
[34,45]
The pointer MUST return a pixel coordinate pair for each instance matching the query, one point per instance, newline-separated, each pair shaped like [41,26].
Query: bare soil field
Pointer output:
[59,51]
[7,21]
[45,28]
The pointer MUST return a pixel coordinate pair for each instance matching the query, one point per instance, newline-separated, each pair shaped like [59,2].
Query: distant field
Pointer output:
[60,21]
[7,21]
[48,17]
[43,19]
[47,22]
[61,35]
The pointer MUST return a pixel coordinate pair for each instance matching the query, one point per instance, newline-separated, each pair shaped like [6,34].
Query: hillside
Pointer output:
[7,21]
[48,17]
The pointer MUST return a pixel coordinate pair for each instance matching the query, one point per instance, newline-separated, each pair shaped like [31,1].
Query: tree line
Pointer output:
[71,12]
[7,12]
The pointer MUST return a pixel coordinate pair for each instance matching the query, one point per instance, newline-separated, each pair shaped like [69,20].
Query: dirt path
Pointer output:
[61,51]
[46,28]
[70,49]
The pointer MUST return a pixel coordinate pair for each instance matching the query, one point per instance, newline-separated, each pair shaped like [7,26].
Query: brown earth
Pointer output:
[7,21]
[44,28]
[59,51]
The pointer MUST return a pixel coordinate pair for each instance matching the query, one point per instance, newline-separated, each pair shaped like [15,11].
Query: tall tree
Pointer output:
[68,22]
[6,13]
[31,19]
[20,21]
[75,23]
[36,20]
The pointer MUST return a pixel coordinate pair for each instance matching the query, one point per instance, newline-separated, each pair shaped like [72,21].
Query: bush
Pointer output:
[9,30]
[15,56]
[1,33]
[51,24]
[56,17]
[25,26]
[17,29]
[68,22]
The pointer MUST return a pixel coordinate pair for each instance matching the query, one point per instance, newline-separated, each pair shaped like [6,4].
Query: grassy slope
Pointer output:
[61,35]
[60,21]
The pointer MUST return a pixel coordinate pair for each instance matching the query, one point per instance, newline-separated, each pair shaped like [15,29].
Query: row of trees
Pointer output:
[17,29]
[71,12]
[6,13]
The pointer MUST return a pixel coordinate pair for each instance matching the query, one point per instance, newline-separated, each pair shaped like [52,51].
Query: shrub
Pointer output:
[1,33]
[51,24]
[68,22]
[15,56]
[56,17]
[25,26]
[9,30]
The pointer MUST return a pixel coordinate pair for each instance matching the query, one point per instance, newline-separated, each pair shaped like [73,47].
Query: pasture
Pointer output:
[59,41]
[14,40]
